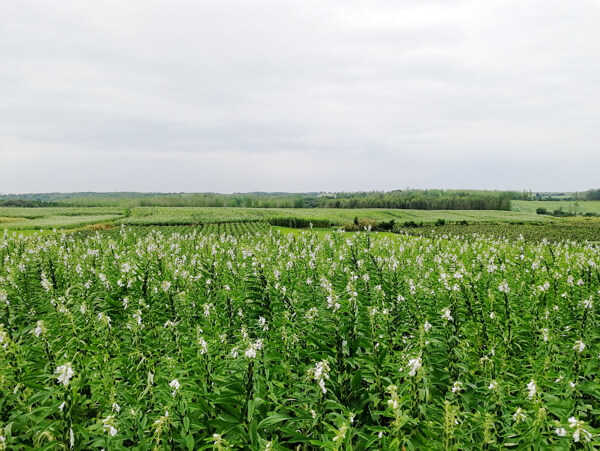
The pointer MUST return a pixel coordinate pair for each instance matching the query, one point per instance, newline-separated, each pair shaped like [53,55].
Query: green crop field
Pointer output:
[572,230]
[235,336]
[183,215]
[575,207]
[73,218]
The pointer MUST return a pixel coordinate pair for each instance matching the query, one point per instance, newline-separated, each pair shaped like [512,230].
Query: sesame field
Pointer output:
[69,218]
[209,339]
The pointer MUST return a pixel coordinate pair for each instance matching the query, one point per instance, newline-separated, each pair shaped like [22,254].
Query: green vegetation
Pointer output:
[581,231]
[407,199]
[58,222]
[318,217]
[192,340]
[36,218]
[571,207]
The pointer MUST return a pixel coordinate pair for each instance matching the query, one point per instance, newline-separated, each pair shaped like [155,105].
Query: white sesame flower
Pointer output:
[250,352]
[580,432]
[545,334]
[109,425]
[103,319]
[320,372]
[503,287]
[174,384]
[543,288]
[65,373]
[262,322]
[203,345]
[519,416]
[532,389]
[3,337]
[415,365]
[312,313]
[341,433]
[456,387]
[579,346]
[561,432]
[46,284]
[446,314]
[493,385]
[427,327]
[116,407]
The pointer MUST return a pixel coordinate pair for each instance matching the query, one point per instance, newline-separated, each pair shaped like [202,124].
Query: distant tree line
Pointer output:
[398,199]
[424,200]
[593,194]
[27,203]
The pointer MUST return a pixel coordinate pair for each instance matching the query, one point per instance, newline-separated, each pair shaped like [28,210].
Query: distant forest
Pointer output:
[399,199]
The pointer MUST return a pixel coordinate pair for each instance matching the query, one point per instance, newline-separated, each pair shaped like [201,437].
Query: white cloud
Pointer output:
[298,95]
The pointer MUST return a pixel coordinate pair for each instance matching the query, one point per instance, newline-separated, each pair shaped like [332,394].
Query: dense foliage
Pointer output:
[407,199]
[579,231]
[268,341]
[424,200]
[593,194]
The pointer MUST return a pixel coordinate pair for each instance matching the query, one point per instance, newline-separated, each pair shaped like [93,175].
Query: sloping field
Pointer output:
[183,215]
[579,207]
[57,222]
[30,213]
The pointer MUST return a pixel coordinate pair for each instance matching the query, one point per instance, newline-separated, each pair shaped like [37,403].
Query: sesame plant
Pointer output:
[252,339]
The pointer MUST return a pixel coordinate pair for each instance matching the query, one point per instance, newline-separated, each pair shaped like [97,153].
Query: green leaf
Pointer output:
[271,420]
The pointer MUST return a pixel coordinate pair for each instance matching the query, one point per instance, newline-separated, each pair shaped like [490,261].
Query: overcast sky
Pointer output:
[299,95]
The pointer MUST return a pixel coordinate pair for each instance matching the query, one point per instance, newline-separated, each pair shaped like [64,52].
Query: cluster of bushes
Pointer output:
[561,213]
[593,194]
[300,223]
[438,222]
[361,224]
[390,226]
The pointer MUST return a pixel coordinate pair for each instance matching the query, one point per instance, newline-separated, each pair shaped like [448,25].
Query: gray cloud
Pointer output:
[235,96]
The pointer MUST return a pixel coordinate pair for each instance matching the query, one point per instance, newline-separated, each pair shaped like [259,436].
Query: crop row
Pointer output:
[580,231]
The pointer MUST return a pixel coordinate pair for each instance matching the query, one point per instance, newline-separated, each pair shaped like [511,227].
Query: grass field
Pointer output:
[581,207]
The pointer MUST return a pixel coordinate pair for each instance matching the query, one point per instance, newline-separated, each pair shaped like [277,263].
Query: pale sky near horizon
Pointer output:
[344,95]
